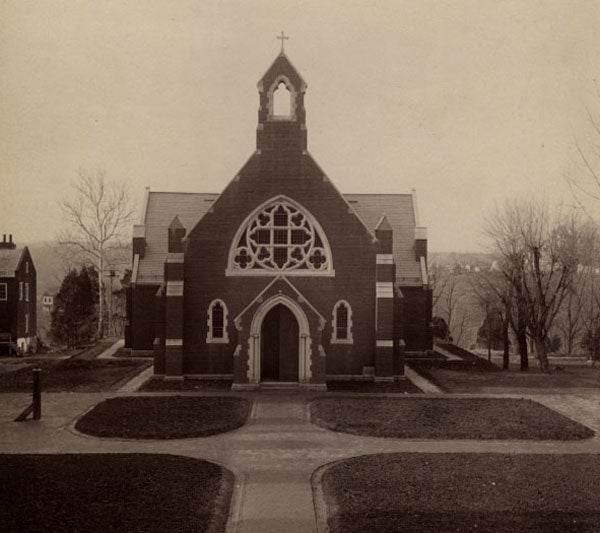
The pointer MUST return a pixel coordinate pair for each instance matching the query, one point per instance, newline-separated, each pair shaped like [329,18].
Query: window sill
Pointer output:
[217,341]
[342,341]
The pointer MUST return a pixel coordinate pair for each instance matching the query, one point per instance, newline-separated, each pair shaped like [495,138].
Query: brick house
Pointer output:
[17,297]
[280,277]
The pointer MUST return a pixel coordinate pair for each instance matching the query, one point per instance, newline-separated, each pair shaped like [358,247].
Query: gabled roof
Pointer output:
[9,261]
[400,214]
[162,207]
[282,58]
[176,224]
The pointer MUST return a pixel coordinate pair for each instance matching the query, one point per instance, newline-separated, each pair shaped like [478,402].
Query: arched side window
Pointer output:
[217,322]
[341,327]
[280,236]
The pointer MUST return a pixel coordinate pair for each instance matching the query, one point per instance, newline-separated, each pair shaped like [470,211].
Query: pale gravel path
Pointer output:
[275,454]
[111,350]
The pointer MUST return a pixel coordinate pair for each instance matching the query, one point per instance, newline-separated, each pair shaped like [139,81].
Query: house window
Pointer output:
[26,291]
[217,322]
[26,267]
[3,292]
[20,290]
[26,322]
[341,330]
[280,237]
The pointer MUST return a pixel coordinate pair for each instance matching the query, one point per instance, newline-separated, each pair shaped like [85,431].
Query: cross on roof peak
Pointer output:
[283,37]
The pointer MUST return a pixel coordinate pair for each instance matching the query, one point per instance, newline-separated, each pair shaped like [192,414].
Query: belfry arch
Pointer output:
[282,88]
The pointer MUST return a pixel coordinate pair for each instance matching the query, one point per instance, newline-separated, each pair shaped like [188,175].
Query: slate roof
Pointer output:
[162,207]
[9,261]
[399,212]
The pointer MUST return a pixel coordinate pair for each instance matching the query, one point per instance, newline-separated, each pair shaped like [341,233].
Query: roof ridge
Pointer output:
[377,194]
[185,192]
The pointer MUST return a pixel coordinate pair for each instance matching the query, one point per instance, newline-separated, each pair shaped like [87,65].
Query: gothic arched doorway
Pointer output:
[279,345]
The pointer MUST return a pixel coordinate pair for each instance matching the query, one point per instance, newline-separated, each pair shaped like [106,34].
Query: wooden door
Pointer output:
[279,345]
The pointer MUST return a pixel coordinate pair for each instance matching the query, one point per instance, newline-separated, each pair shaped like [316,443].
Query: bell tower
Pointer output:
[281,115]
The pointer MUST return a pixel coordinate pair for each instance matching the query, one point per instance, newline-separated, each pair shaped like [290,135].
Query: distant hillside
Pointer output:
[51,265]
[449,260]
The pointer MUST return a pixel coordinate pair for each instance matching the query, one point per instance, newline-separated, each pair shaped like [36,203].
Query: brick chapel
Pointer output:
[281,277]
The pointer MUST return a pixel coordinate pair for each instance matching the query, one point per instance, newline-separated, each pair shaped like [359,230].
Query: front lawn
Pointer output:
[125,352]
[445,418]
[155,384]
[439,493]
[456,379]
[76,375]
[112,492]
[164,417]
[398,386]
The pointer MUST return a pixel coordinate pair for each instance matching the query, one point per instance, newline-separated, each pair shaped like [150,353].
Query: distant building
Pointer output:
[17,297]
[47,302]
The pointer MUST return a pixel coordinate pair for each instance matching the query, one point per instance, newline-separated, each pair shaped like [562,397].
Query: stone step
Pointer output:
[279,385]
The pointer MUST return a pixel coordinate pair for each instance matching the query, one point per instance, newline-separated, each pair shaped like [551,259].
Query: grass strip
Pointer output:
[445,418]
[74,375]
[161,385]
[112,492]
[164,417]
[449,492]
[399,386]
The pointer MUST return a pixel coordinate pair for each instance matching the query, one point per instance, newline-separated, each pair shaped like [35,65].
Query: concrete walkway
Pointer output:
[111,350]
[274,455]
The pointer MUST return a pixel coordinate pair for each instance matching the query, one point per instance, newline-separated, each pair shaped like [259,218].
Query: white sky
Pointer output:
[469,102]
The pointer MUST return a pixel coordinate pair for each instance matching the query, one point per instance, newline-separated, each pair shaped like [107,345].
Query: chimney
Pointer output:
[7,245]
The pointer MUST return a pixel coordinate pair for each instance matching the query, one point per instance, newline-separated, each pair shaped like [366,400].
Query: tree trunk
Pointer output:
[523,353]
[522,338]
[570,344]
[540,348]
[505,343]
[100,330]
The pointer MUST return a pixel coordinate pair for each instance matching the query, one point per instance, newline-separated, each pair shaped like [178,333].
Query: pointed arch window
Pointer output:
[282,101]
[281,98]
[341,330]
[280,236]
[217,322]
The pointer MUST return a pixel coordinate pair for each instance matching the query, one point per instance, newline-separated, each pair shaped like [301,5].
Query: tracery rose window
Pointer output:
[280,237]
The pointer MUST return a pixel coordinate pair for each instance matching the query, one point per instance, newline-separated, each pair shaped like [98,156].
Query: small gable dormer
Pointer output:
[281,114]
[176,234]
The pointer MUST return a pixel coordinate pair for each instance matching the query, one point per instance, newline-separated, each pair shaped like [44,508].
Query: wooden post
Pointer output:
[35,406]
[37,394]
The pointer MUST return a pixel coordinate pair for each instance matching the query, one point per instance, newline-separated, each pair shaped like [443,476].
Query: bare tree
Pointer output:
[584,178]
[438,279]
[451,307]
[99,215]
[570,321]
[541,249]
[590,273]
[493,294]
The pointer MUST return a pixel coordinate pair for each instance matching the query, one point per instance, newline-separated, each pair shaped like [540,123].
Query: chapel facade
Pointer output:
[280,278]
